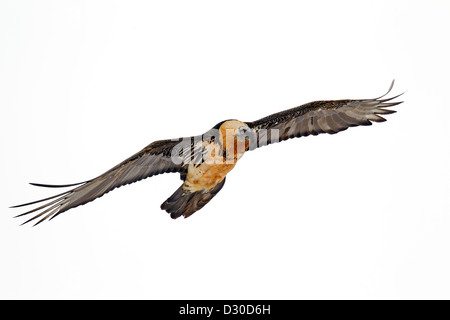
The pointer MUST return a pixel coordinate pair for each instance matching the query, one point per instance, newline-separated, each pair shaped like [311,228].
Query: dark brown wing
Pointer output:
[152,160]
[321,117]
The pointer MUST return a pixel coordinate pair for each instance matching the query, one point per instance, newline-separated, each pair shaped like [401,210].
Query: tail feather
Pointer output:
[185,203]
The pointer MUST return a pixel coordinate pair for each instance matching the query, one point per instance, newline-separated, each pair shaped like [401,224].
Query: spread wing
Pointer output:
[321,117]
[152,160]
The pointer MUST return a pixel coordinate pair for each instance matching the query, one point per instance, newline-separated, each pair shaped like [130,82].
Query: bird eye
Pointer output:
[242,130]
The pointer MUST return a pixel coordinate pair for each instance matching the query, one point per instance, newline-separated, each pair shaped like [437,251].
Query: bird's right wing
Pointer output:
[154,159]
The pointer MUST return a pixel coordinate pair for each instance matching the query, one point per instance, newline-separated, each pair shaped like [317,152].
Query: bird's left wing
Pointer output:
[318,117]
[154,159]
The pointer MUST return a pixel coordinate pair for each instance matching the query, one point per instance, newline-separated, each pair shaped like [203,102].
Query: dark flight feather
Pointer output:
[57,185]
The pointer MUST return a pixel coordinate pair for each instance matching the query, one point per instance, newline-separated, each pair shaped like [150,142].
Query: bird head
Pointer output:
[235,137]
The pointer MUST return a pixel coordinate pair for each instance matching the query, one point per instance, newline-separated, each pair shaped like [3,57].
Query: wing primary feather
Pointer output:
[390,104]
[44,218]
[30,203]
[43,212]
[57,214]
[41,207]
[57,185]
[390,88]
[389,99]
[384,111]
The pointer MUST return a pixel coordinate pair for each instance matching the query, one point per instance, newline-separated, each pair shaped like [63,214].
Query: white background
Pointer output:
[362,214]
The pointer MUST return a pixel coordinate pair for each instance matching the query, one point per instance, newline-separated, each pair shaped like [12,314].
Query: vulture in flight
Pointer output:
[203,161]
